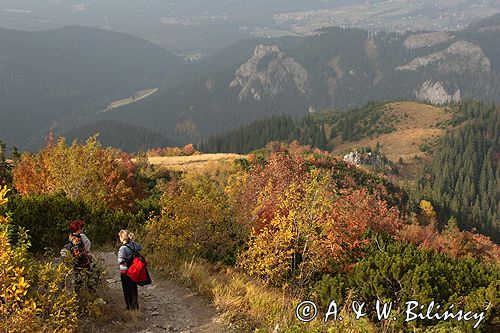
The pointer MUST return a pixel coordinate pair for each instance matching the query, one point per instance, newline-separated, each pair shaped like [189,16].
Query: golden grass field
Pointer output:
[193,162]
[419,127]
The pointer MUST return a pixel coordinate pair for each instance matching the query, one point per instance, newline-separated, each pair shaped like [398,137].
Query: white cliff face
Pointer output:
[370,159]
[269,72]
[459,57]
[435,93]
[353,157]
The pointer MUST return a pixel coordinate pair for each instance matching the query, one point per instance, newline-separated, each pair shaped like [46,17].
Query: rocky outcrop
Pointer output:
[353,157]
[269,72]
[435,93]
[368,159]
[459,57]
[426,39]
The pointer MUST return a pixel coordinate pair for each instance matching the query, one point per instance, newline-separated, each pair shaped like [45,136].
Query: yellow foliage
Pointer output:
[427,210]
[32,295]
[195,221]
[3,195]
[289,246]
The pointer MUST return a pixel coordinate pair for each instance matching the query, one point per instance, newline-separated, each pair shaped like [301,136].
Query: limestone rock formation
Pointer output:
[435,93]
[269,72]
[459,57]
[368,159]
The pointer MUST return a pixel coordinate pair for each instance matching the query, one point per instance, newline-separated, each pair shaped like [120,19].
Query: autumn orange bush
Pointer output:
[255,196]
[296,233]
[314,229]
[292,217]
[451,240]
[84,171]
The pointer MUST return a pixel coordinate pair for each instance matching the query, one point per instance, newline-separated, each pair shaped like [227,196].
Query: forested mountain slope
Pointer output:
[126,137]
[334,68]
[399,128]
[465,176]
[450,153]
[56,78]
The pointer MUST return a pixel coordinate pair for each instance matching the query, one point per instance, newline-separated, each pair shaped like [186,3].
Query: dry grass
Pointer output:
[248,304]
[112,319]
[193,162]
[252,306]
[402,143]
[419,115]
[416,125]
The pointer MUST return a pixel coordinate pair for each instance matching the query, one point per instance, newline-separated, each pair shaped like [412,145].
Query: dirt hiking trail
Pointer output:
[164,306]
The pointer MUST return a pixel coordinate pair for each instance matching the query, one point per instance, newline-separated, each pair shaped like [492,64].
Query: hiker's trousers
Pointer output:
[130,293]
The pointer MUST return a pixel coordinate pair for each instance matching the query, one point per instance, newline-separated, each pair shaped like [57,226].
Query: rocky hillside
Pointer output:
[333,68]
[412,129]
[268,72]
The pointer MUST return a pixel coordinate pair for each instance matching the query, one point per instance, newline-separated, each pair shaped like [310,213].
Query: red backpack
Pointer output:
[138,269]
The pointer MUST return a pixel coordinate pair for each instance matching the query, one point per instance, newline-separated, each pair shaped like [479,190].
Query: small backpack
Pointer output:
[77,250]
[137,268]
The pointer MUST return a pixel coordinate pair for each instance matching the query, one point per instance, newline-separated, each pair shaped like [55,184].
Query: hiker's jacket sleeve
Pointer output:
[86,243]
[122,259]
[125,254]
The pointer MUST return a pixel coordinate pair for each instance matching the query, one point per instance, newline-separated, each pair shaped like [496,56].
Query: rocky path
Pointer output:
[164,307]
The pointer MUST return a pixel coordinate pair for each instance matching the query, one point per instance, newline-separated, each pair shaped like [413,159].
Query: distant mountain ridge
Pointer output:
[58,78]
[334,68]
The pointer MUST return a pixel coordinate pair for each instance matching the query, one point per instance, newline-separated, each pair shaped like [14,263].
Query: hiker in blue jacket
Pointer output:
[125,257]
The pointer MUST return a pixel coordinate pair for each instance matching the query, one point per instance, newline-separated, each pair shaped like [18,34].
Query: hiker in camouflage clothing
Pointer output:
[79,249]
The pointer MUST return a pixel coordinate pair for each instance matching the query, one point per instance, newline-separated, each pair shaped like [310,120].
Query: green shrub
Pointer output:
[196,221]
[47,218]
[396,272]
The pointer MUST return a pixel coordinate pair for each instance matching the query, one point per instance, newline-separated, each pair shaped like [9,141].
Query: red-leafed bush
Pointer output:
[84,171]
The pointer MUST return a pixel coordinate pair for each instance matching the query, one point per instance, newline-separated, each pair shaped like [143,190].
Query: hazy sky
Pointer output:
[206,25]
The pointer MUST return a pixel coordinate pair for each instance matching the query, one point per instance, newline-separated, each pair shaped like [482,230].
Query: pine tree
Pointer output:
[465,175]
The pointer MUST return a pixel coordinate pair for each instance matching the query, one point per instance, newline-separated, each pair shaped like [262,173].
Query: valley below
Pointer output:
[132,99]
